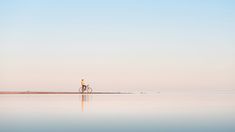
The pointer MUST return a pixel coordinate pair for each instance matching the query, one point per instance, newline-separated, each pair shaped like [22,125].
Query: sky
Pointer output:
[119,45]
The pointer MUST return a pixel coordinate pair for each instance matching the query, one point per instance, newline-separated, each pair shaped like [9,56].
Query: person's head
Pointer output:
[82,79]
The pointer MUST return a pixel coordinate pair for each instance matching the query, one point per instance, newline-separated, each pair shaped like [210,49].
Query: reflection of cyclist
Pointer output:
[83,84]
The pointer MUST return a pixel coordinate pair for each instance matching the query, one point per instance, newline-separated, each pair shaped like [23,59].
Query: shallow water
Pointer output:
[129,112]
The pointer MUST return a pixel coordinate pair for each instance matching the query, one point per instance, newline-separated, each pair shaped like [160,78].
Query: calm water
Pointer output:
[123,113]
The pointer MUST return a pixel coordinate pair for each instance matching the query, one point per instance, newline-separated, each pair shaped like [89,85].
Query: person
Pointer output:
[83,85]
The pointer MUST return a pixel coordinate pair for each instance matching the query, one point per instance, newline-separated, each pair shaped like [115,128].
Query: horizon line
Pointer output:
[49,92]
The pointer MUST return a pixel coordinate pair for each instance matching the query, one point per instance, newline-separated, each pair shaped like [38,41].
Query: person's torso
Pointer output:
[82,82]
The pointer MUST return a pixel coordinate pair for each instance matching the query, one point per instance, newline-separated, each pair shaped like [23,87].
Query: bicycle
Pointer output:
[88,89]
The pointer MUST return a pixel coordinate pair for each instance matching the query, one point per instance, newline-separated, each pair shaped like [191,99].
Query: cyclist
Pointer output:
[83,84]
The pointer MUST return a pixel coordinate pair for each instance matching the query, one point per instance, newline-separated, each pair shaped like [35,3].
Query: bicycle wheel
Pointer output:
[89,90]
[81,90]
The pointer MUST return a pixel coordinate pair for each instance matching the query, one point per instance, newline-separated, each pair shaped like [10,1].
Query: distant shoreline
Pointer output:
[36,92]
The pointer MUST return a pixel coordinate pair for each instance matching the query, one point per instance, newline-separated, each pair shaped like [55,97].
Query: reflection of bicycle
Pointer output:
[87,89]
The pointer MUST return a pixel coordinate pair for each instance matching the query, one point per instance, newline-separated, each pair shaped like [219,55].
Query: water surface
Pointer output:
[129,112]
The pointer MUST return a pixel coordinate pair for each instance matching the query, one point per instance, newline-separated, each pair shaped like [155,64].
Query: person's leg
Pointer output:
[83,88]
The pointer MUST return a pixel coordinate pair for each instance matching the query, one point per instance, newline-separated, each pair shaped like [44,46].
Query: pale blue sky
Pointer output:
[117,45]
